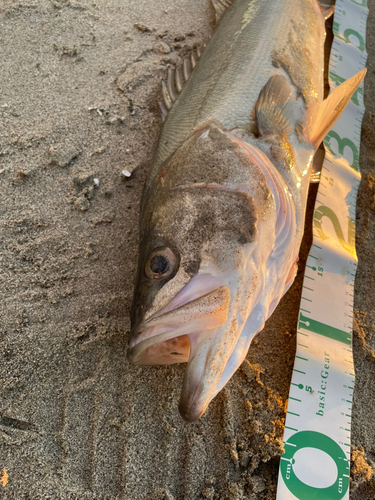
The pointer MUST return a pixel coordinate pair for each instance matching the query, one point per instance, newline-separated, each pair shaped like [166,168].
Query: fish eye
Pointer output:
[160,263]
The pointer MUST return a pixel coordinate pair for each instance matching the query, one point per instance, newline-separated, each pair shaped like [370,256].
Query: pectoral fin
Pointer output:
[329,111]
[274,108]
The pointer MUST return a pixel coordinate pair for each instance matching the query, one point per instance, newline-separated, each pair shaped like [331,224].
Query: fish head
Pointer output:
[207,230]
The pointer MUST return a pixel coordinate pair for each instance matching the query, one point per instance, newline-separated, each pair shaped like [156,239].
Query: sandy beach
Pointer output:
[80,82]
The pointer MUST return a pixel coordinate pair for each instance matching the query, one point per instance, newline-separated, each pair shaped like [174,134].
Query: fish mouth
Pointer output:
[173,334]
[188,333]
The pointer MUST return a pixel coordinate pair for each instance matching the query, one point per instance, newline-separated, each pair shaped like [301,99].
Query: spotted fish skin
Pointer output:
[223,207]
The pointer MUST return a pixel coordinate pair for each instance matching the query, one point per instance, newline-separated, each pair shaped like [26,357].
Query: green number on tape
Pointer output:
[324,211]
[342,143]
[311,439]
[338,80]
[347,33]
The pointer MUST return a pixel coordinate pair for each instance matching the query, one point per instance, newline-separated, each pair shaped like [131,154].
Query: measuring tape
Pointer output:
[316,462]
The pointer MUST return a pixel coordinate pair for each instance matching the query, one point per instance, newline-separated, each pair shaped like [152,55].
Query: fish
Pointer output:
[223,207]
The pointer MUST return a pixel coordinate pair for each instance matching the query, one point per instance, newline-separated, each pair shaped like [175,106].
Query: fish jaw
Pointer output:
[167,337]
[210,359]
[205,367]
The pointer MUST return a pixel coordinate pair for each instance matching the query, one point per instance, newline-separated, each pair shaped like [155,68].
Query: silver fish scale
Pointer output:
[238,62]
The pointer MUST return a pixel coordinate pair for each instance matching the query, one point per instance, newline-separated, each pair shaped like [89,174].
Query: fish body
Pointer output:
[223,208]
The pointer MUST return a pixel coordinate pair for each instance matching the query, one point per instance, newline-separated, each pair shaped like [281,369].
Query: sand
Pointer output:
[79,86]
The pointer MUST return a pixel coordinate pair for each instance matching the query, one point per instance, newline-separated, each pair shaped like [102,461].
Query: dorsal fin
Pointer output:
[274,107]
[220,6]
[176,79]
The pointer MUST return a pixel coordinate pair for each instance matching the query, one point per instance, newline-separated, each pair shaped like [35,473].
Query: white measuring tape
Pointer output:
[316,462]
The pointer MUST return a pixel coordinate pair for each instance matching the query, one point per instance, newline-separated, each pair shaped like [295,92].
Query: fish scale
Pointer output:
[316,462]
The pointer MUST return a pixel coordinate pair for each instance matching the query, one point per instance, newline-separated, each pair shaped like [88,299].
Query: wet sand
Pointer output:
[79,87]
